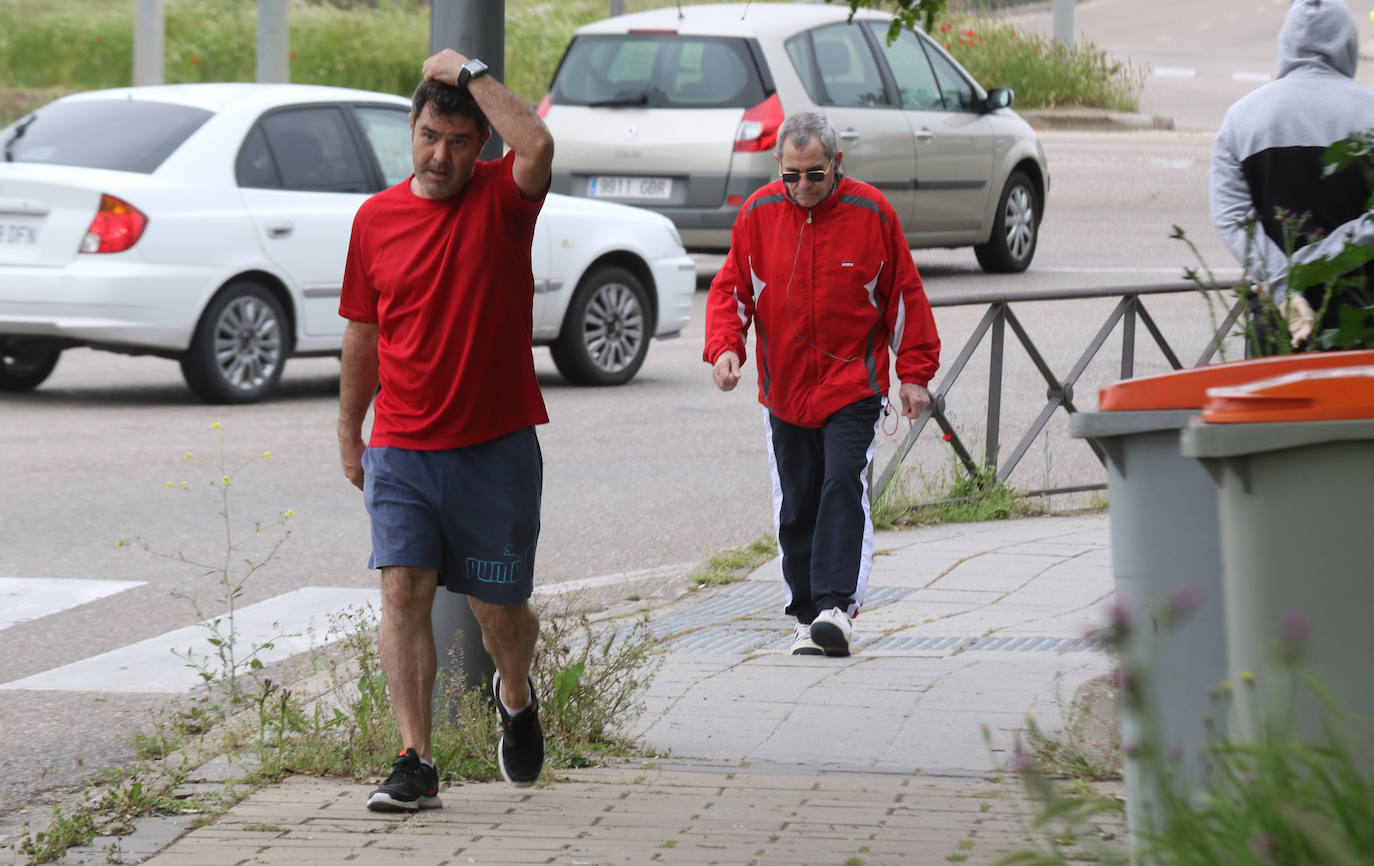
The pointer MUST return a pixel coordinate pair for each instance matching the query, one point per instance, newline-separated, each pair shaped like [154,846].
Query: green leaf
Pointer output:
[566,683]
[1304,275]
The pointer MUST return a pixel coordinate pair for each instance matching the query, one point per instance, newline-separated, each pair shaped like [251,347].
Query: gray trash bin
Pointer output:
[1166,548]
[1292,460]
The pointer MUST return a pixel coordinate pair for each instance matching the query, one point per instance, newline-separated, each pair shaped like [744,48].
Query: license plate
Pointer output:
[608,186]
[17,231]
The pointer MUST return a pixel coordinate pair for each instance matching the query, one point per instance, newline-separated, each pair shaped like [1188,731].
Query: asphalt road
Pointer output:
[655,475]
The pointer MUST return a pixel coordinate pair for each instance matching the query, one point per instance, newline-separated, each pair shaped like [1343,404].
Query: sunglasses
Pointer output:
[814,175]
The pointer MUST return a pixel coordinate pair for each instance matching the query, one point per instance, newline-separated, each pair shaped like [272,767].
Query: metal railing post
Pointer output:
[995,351]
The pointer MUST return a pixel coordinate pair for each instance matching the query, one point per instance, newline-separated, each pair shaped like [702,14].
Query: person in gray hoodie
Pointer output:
[1268,159]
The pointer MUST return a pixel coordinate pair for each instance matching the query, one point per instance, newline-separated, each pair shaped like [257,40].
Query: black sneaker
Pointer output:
[520,754]
[412,785]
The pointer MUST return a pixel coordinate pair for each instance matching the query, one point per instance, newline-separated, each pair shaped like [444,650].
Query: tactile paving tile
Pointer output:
[744,617]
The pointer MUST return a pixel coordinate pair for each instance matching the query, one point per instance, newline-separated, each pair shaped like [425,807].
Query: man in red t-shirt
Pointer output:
[438,293]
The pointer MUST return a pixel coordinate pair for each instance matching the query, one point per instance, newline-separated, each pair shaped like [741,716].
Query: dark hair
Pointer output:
[448,100]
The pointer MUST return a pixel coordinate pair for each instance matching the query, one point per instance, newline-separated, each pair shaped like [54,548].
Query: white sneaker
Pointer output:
[831,632]
[802,644]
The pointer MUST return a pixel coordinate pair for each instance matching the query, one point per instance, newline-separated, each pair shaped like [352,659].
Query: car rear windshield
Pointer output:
[657,70]
[115,134]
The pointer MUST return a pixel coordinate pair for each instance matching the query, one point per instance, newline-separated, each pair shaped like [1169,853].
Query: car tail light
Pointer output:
[759,128]
[117,226]
[544,105]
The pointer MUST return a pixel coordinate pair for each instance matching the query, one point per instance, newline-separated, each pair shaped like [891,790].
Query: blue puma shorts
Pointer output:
[471,513]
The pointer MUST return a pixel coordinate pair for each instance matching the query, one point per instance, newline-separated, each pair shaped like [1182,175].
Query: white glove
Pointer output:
[1300,318]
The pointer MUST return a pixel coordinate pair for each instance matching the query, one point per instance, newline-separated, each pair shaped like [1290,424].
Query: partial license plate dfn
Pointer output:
[608,186]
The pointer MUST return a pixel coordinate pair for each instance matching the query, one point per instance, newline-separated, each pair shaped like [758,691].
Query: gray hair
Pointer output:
[802,127]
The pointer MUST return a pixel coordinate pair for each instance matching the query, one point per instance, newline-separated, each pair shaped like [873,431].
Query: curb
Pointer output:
[1093,119]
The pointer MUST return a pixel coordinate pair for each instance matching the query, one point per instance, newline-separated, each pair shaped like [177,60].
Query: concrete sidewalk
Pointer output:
[874,759]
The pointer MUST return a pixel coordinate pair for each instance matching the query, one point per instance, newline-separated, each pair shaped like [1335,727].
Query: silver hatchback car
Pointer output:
[677,110]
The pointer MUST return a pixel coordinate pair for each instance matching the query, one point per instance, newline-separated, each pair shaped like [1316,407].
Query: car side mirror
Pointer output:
[999,97]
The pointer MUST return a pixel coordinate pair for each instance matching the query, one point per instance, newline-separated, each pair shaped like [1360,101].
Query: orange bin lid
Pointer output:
[1336,394]
[1187,389]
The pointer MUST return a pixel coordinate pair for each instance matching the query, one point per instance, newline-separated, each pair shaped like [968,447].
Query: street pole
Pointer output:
[617,7]
[476,28]
[1063,22]
[274,42]
[149,27]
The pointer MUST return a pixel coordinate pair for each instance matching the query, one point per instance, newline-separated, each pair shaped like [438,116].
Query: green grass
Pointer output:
[959,497]
[735,564]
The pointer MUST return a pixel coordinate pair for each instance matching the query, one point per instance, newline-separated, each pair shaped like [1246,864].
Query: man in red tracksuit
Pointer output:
[819,264]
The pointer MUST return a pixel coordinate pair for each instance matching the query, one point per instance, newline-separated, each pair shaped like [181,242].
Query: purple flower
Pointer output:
[1186,597]
[1175,752]
[1296,626]
[1018,761]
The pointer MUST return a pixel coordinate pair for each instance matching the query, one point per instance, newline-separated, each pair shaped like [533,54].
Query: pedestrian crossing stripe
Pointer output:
[23,599]
[293,623]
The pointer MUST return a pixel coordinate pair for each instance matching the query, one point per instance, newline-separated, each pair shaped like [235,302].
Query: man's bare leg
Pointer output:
[509,633]
[406,641]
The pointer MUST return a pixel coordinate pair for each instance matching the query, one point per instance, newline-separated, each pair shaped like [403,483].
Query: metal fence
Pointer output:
[1001,316]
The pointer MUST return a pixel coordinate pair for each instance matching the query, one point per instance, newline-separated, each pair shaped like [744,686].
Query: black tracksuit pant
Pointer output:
[820,507]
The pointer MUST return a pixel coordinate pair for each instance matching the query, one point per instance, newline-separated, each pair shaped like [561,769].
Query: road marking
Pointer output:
[1174,72]
[23,599]
[657,572]
[1260,77]
[149,666]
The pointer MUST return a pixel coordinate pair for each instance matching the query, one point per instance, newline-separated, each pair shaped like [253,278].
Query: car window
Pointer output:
[388,133]
[311,149]
[959,94]
[657,70]
[915,79]
[847,69]
[255,167]
[123,135]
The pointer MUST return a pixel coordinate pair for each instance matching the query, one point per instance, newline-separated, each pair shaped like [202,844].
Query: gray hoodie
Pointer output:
[1268,152]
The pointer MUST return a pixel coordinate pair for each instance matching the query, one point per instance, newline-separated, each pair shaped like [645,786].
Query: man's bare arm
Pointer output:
[513,118]
[357,385]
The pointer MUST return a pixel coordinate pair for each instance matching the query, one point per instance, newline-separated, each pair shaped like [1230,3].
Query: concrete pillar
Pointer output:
[274,42]
[149,30]
[1063,22]
[475,28]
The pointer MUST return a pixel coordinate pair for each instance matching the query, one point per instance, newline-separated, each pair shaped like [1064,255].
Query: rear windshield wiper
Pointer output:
[18,131]
[640,97]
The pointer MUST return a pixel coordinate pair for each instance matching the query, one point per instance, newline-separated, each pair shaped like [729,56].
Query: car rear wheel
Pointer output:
[605,333]
[239,347]
[1014,234]
[25,367]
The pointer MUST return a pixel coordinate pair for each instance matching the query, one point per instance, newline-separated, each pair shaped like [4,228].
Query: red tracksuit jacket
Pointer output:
[828,289]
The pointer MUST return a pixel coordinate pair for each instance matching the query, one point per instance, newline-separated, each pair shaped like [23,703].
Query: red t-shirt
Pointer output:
[449,284]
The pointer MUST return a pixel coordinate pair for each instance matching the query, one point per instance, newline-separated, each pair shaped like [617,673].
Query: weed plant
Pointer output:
[1276,795]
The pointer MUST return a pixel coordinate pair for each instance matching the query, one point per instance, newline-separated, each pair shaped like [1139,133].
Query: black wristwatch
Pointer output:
[471,69]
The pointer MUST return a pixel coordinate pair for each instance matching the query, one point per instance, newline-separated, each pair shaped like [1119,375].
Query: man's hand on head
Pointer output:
[444,67]
[726,371]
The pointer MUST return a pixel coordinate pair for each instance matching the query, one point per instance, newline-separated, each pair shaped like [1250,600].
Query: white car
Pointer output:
[209,223]
[677,110]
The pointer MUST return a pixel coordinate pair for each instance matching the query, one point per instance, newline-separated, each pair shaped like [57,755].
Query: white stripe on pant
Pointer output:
[820,507]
